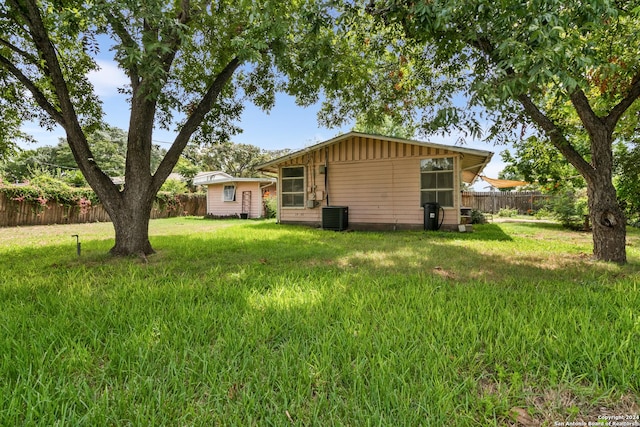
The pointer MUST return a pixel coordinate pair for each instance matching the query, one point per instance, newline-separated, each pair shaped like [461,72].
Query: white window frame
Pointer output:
[225,198]
[438,190]
[283,193]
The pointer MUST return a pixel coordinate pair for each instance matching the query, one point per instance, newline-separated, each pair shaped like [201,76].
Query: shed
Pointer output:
[228,196]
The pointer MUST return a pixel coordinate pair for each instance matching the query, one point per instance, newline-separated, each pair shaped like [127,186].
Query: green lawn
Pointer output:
[254,323]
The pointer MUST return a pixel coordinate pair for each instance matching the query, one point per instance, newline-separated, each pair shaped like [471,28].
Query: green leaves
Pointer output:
[238,160]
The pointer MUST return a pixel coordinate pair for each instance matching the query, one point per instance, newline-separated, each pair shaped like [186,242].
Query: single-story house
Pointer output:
[376,182]
[228,196]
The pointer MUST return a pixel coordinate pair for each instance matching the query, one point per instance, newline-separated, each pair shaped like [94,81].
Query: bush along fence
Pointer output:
[492,201]
[27,205]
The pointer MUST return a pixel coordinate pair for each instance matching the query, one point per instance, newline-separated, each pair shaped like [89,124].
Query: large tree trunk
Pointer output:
[607,219]
[608,222]
[131,224]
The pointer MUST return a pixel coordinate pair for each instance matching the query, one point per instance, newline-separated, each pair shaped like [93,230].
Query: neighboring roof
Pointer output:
[119,180]
[218,177]
[473,161]
[503,183]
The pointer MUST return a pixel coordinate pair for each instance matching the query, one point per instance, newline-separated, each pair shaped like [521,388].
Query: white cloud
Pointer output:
[107,79]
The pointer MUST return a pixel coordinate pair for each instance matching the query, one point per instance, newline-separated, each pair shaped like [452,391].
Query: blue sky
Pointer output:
[285,126]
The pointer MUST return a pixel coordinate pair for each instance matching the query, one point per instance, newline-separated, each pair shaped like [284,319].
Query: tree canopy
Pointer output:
[536,161]
[191,65]
[236,159]
[627,178]
[554,69]
[108,146]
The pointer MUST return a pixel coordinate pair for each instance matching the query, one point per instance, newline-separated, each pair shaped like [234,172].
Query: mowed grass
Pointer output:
[254,323]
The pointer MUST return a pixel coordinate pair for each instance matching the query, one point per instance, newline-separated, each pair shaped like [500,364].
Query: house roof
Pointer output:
[218,177]
[473,160]
[120,180]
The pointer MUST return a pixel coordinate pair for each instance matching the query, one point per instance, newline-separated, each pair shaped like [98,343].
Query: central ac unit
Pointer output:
[335,218]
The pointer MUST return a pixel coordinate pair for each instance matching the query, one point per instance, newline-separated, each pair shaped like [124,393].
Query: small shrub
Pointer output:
[49,184]
[270,207]
[477,217]
[167,201]
[543,213]
[214,216]
[507,212]
[570,208]
[174,186]
[74,178]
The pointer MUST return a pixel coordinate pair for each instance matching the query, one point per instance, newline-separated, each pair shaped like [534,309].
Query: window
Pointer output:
[436,181]
[229,193]
[293,187]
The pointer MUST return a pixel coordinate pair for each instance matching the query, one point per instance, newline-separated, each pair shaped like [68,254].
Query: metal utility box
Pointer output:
[335,218]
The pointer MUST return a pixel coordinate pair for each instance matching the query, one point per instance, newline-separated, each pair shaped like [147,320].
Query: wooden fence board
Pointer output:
[493,201]
[18,213]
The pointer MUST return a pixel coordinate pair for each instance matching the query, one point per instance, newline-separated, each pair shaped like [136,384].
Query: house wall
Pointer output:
[216,206]
[378,180]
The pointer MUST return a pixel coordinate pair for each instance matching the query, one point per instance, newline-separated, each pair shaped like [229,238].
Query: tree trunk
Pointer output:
[607,219]
[131,225]
[608,222]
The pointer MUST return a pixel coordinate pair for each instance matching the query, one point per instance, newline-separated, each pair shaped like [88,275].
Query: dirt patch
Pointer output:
[563,406]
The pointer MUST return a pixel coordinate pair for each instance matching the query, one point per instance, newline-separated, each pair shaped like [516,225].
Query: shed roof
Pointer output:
[218,177]
[473,160]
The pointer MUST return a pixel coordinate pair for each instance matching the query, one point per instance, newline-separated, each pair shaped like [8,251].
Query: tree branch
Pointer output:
[26,55]
[619,109]
[120,30]
[183,18]
[587,116]
[40,98]
[40,38]
[551,130]
[193,121]
[556,136]
[65,114]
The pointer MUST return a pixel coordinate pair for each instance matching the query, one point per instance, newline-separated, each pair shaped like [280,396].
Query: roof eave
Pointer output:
[232,179]
[271,166]
[480,167]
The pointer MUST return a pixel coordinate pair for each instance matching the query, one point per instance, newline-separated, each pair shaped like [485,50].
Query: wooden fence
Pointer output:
[17,213]
[493,201]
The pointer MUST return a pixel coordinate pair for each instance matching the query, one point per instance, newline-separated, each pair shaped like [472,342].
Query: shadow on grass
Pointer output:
[488,255]
[278,252]
[486,232]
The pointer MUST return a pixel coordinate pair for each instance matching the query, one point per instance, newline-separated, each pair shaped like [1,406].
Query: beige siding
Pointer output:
[378,180]
[218,207]
[381,192]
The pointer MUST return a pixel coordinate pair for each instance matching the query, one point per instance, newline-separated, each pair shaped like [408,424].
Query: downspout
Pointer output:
[457,189]
[279,195]
[326,173]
